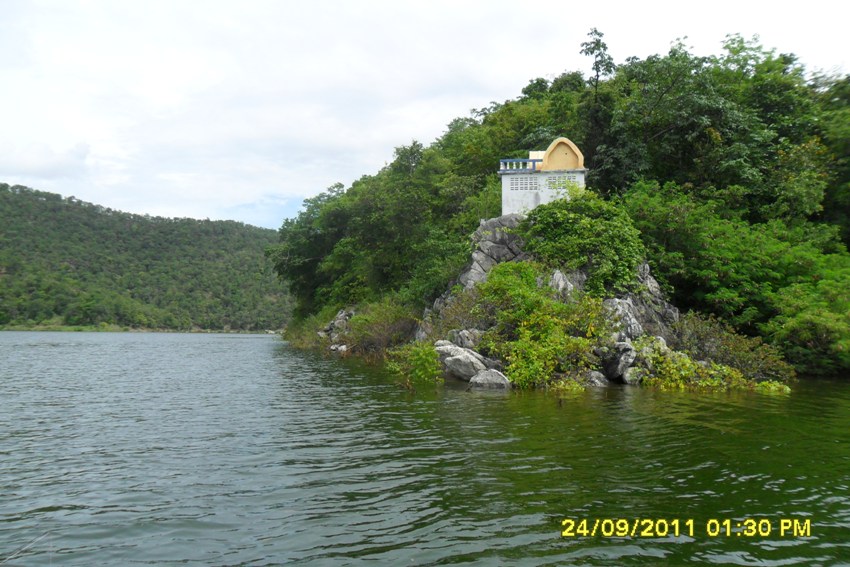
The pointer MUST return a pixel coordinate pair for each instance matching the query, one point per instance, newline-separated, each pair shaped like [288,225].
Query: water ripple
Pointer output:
[148,449]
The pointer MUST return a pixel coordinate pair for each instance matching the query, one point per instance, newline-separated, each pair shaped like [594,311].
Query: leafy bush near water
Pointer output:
[667,369]
[708,338]
[535,333]
[587,233]
[415,363]
[378,326]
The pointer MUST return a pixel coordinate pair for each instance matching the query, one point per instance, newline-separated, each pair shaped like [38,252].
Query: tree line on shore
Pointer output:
[65,262]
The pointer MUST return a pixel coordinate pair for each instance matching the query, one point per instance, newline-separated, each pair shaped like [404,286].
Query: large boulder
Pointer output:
[490,380]
[616,360]
[595,378]
[460,362]
[644,312]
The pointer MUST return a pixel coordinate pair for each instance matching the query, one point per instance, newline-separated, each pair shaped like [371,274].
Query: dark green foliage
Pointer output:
[586,233]
[788,282]
[835,126]
[813,320]
[66,262]
[746,222]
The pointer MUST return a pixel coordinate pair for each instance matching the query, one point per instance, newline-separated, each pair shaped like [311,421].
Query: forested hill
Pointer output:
[67,262]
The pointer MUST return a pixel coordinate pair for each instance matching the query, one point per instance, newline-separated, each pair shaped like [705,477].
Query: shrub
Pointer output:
[537,335]
[377,326]
[415,363]
[566,386]
[708,338]
[671,370]
[586,233]
[303,334]
[772,387]
[463,311]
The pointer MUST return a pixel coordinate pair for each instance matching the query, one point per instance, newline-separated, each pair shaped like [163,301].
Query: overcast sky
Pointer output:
[241,109]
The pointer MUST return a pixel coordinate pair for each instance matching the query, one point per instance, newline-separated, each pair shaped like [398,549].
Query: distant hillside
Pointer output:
[67,262]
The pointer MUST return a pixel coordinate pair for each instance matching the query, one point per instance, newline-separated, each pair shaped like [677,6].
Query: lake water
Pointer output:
[167,449]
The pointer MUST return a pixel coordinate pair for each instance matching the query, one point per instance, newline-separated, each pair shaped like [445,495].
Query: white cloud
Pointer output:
[215,109]
[41,161]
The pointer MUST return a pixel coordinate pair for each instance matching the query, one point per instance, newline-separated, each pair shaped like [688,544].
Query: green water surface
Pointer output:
[169,449]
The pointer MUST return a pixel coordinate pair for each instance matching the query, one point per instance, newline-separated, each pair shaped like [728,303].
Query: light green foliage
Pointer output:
[415,363]
[672,370]
[772,387]
[586,233]
[87,266]
[566,387]
[303,333]
[537,335]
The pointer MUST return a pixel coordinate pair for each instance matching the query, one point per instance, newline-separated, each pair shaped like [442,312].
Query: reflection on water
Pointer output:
[230,449]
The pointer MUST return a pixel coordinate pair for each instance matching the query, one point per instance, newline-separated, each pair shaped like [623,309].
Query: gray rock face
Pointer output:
[617,359]
[425,327]
[644,312]
[490,380]
[337,327]
[467,338]
[626,312]
[595,378]
[565,284]
[459,362]
[494,244]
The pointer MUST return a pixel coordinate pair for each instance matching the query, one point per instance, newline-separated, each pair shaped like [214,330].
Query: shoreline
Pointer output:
[120,329]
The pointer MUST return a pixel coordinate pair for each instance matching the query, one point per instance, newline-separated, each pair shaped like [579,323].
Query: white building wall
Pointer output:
[522,192]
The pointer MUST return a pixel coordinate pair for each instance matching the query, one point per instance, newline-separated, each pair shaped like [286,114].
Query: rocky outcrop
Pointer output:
[490,380]
[646,311]
[638,313]
[566,284]
[616,359]
[494,243]
[467,338]
[337,328]
[462,363]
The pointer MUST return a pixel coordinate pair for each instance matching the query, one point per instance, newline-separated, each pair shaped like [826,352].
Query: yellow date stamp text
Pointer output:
[675,527]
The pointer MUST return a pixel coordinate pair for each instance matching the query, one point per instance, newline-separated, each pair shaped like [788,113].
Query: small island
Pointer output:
[697,239]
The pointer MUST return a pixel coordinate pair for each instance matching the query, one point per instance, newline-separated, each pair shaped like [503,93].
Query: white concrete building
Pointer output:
[543,177]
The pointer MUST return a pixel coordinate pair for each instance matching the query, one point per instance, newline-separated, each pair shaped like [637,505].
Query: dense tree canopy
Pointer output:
[735,168]
[67,262]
